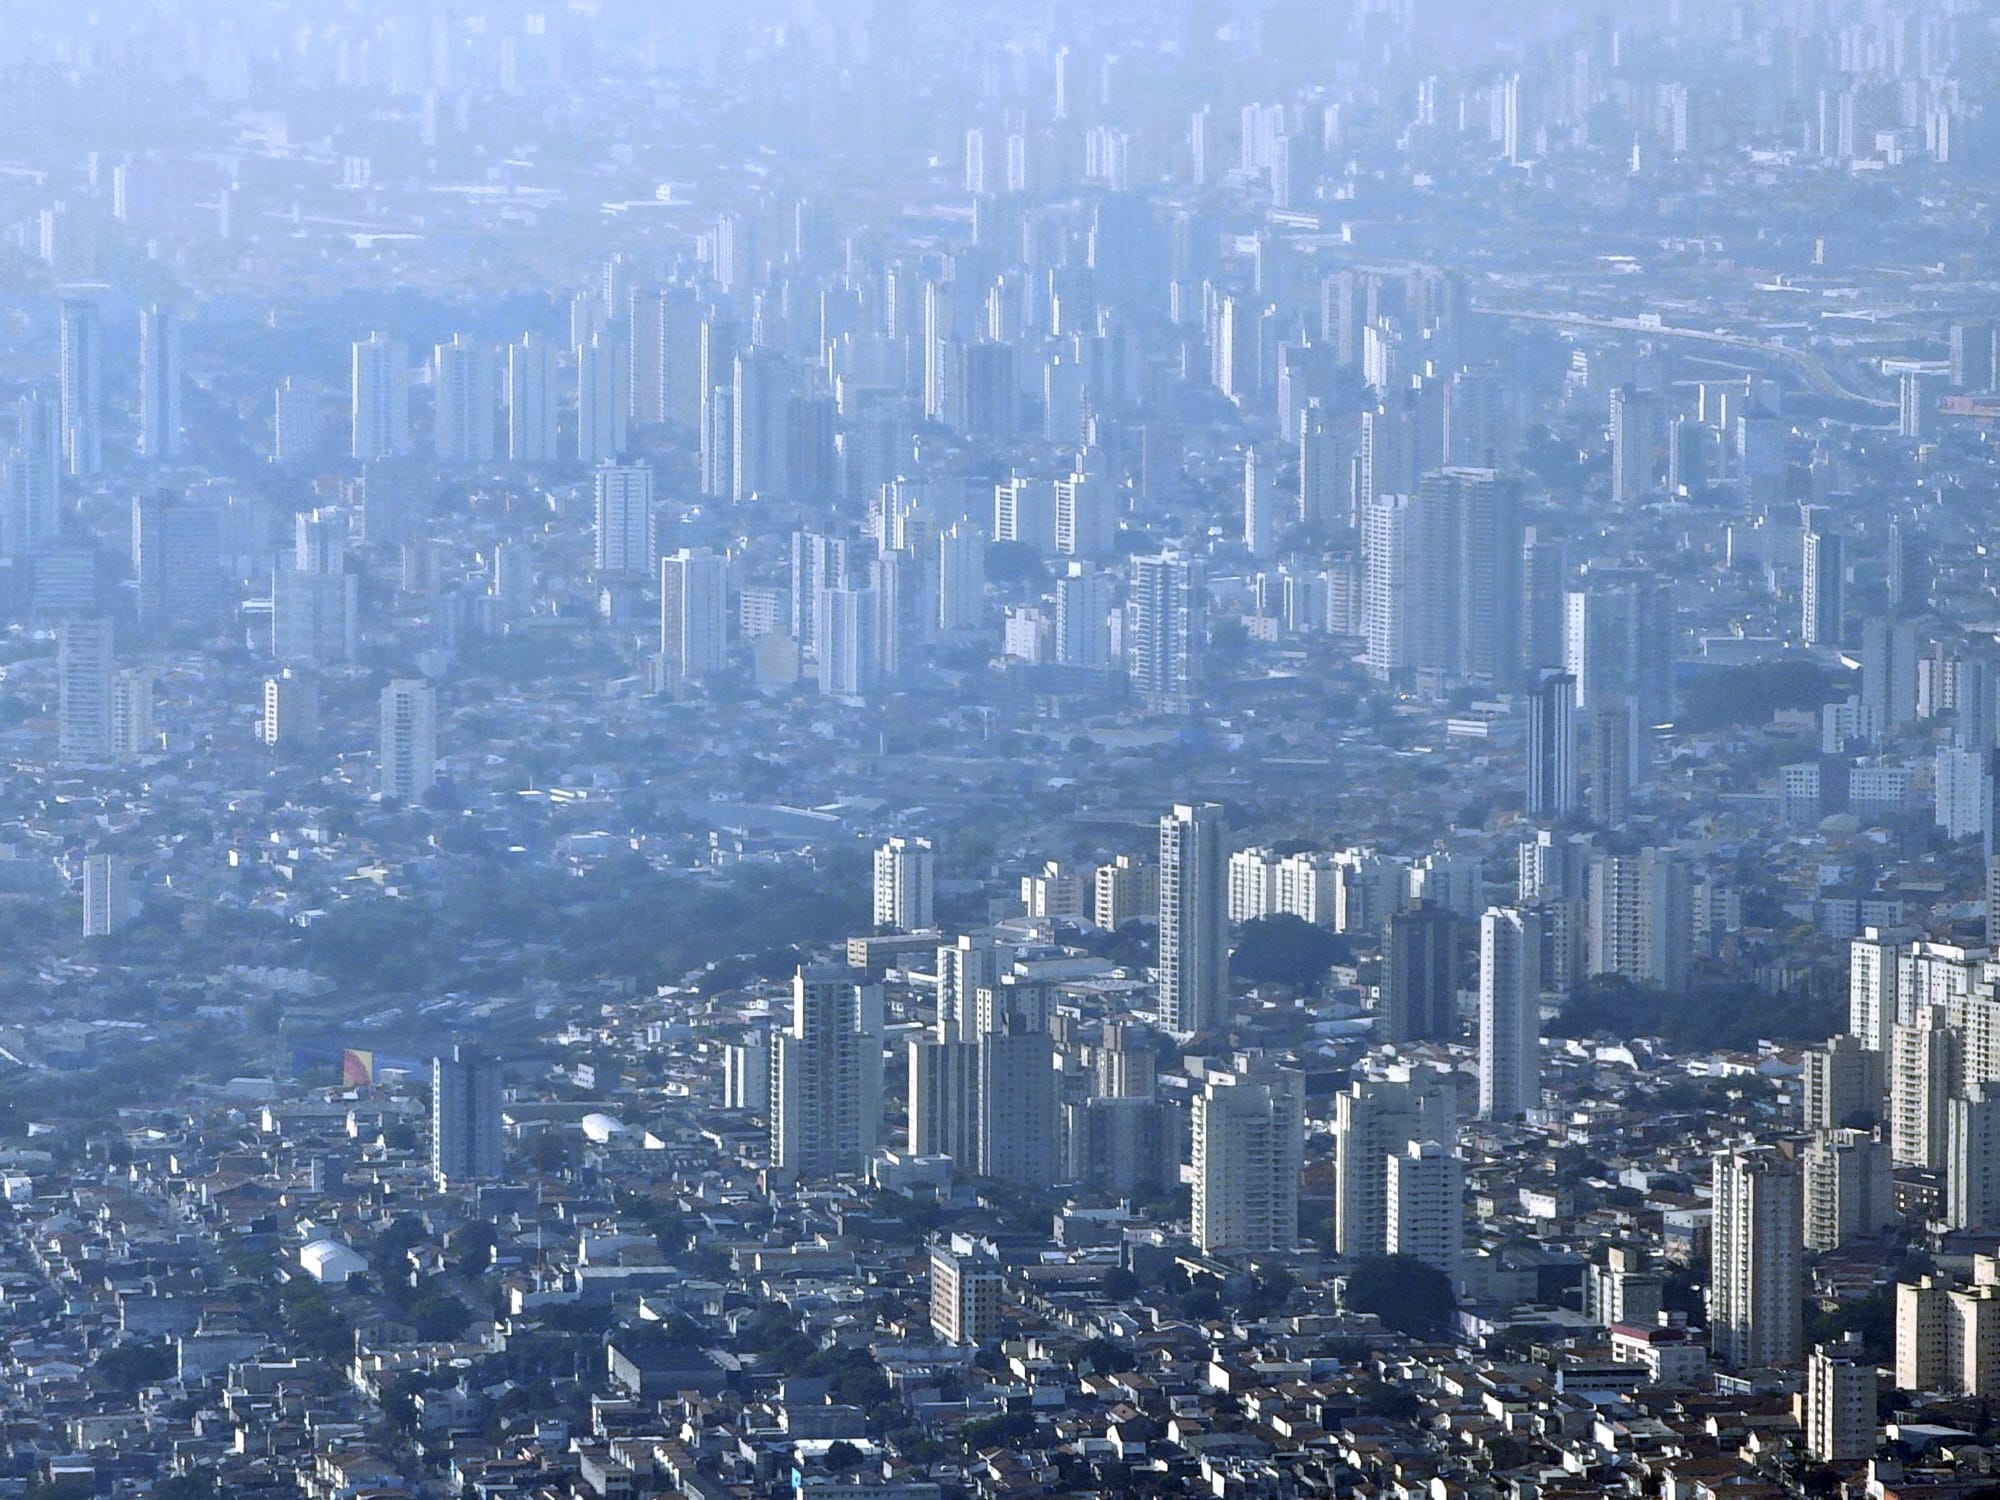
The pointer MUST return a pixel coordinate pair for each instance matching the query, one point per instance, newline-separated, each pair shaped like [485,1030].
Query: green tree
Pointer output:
[1408,1294]
[1286,949]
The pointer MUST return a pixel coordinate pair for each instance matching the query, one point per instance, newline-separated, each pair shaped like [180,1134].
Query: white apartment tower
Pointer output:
[905,872]
[379,398]
[1248,1145]
[1194,936]
[826,1076]
[1510,1015]
[1756,1281]
[409,739]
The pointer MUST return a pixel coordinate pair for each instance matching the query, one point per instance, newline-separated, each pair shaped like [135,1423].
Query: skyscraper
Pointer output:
[1194,938]
[1756,1282]
[409,739]
[379,398]
[531,404]
[961,577]
[1641,918]
[694,615]
[107,894]
[1840,1403]
[177,561]
[29,510]
[1620,632]
[159,384]
[290,716]
[1510,998]
[80,379]
[1018,1115]
[462,420]
[1633,418]
[826,1076]
[465,1117]
[1425,1205]
[1260,509]
[1822,614]
[623,509]
[1444,579]
[601,401]
[1248,1143]
[1419,987]
[84,668]
[847,641]
[1166,630]
[1373,1120]
[1552,747]
[904,876]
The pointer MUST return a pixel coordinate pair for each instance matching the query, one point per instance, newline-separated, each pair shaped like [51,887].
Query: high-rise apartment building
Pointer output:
[1756,1281]
[84,669]
[623,531]
[905,878]
[826,1076]
[159,384]
[107,894]
[80,384]
[1848,1188]
[694,616]
[1840,1403]
[1425,1205]
[1553,782]
[379,398]
[531,400]
[465,1117]
[1823,575]
[1248,1144]
[409,739]
[462,419]
[1419,987]
[1375,1119]
[1510,998]
[1194,936]
[602,404]
[1165,630]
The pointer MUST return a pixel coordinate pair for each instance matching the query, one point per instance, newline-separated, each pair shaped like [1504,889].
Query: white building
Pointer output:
[1756,1283]
[694,615]
[1248,1145]
[1510,1013]
[623,533]
[905,874]
[1426,1213]
[409,739]
[1374,1120]
[1194,935]
[107,895]
[379,398]
[1840,1404]
[84,668]
[826,1076]
[462,381]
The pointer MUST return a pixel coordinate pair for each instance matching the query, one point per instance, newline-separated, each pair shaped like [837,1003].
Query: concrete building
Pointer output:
[1194,937]
[1248,1145]
[1425,1204]
[826,1076]
[1756,1281]
[409,739]
[465,1117]
[905,877]
[965,1297]
[1510,1013]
